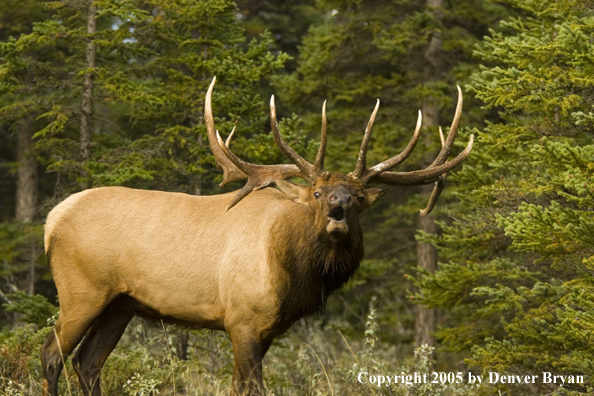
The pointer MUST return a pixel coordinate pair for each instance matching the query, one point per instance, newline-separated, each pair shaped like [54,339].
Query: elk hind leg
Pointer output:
[70,328]
[100,340]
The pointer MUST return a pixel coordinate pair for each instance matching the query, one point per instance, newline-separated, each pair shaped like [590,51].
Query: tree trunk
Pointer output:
[86,130]
[426,255]
[26,193]
[427,259]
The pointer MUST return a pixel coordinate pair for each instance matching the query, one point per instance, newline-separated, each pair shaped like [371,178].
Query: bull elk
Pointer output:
[250,262]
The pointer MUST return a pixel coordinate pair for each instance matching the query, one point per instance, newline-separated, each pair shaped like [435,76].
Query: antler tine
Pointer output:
[259,176]
[434,172]
[439,185]
[319,162]
[394,161]
[362,160]
[228,141]
[423,176]
[306,167]
[230,171]
[245,167]
[447,146]
[437,189]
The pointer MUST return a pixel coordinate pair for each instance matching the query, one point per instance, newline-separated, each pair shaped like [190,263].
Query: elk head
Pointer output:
[335,199]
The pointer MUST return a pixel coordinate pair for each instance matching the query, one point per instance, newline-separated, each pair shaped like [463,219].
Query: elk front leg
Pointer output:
[248,351]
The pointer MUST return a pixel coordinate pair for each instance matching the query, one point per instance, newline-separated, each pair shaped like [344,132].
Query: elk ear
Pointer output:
[372,195]
[295,192]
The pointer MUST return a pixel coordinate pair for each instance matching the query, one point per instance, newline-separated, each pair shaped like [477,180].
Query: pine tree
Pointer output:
[287,20]
[20,233]
[378,49]
[116,90]
[188,44]
[517,273]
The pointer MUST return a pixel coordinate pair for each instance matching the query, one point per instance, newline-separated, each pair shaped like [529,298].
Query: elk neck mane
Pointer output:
[336,260]
[312,263]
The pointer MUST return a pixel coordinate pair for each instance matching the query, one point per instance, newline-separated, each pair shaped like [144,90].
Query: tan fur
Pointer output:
[252,270]
[162,249]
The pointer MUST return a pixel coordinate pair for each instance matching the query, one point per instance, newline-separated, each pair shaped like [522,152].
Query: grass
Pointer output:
[311,359]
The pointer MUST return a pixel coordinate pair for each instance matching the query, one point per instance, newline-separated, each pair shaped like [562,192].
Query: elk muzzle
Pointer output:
[339,204]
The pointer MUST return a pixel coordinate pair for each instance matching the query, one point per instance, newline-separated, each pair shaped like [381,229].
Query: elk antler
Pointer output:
[433,173]
[230,172]
[361,170]
[361,167]
[260,176]
[306,168]
[319,163]
[439,185]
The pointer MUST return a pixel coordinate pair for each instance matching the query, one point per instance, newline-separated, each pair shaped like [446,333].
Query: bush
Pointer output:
[313,358]
[19,357]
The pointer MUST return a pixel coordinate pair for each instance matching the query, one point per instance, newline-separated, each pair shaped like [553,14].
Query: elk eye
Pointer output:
[317,195]
[361,199]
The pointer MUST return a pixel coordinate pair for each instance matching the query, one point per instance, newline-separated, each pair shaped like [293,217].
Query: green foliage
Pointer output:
[19,360]
[141,386]
[154,62]
[362,51]
[19,240]
[518,274]
[14,236]
[36,309]
[307,360]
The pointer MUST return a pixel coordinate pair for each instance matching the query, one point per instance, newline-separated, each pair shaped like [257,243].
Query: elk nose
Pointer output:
[340,197]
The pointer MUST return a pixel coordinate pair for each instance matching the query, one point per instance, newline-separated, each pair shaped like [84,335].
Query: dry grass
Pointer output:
[309,360]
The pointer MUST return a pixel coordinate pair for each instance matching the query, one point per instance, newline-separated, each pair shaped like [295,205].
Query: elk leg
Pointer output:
[248,351]
[67,333]
[101,338]
[265,346]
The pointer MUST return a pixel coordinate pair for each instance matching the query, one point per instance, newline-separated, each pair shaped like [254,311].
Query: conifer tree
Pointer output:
[516,277]
[152,62]
[188,44]
[287,20]
[116,92]
[20,228]
[378,49]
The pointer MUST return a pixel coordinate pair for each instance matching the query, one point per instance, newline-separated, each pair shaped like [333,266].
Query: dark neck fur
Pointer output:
[313,266]
[335,261]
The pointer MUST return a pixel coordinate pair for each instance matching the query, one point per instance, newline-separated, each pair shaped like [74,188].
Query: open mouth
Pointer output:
[336,214]
[336,222]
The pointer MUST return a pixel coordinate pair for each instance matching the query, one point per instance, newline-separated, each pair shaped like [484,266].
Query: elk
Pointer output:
[250,262]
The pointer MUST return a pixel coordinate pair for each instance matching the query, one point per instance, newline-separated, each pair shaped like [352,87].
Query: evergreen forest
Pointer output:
[490,294]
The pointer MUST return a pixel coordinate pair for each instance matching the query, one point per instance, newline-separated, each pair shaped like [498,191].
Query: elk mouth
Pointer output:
[337,224]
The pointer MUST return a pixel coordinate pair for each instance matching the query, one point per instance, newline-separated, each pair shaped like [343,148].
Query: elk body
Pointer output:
[250,262]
